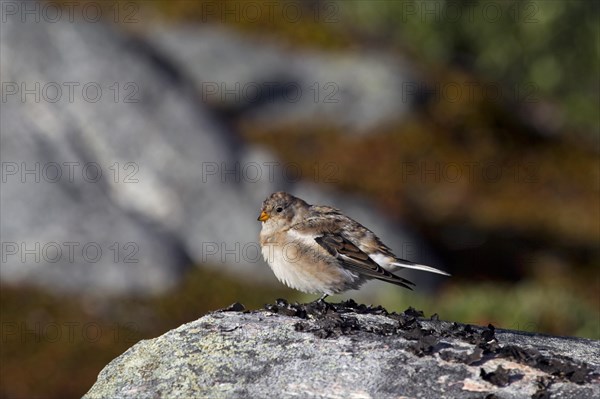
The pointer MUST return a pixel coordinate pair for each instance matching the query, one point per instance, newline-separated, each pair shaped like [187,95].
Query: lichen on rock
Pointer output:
[348,350]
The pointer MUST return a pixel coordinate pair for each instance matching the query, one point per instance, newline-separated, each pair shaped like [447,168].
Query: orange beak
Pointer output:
[264,216]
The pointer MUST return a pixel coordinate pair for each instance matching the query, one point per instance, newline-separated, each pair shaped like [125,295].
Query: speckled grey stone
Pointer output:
[265,355]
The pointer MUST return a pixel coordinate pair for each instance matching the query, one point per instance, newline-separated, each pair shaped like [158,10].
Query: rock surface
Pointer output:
[279,85]
[348,351]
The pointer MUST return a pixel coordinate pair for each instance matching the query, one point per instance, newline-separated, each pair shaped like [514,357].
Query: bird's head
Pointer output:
[280,208]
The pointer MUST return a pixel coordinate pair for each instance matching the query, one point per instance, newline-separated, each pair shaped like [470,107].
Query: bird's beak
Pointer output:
[264,216]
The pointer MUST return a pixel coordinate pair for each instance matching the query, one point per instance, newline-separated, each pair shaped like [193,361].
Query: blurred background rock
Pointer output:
[465,133]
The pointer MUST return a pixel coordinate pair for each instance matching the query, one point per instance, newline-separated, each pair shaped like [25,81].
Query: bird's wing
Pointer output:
[355,260]
[325,219]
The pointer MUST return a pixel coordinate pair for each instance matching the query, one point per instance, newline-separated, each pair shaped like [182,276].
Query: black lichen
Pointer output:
[330,320]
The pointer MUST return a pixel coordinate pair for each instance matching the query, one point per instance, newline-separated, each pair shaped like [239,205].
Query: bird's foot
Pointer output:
[322,298]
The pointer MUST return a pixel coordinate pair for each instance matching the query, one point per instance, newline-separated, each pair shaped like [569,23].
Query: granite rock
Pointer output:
[348,351]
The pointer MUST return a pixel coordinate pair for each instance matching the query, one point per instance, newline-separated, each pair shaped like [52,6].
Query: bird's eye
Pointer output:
[279,209]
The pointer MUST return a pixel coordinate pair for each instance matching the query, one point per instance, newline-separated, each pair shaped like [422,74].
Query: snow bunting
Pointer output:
[317,249]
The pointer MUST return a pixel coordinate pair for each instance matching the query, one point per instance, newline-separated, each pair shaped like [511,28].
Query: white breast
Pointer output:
[299,273]
[292,271]
[288,268]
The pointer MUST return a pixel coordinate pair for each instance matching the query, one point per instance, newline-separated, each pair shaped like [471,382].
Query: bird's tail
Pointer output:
[410,265]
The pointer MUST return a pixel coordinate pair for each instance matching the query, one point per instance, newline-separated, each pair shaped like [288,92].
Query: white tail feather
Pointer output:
[420,267]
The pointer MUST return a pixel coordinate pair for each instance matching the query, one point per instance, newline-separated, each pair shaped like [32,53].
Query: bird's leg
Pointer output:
[322,298]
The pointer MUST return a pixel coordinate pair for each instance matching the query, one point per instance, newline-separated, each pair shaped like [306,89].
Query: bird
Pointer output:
[317,249]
